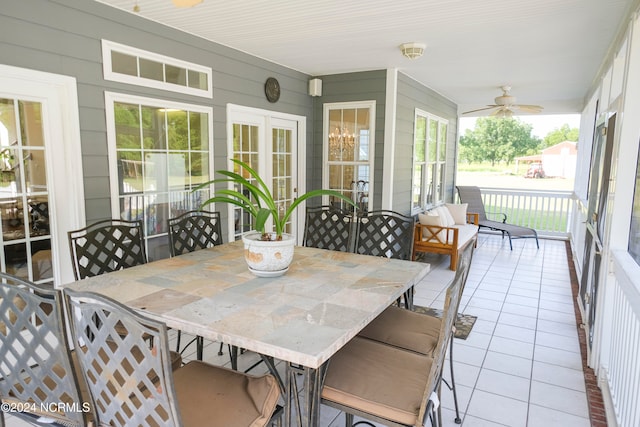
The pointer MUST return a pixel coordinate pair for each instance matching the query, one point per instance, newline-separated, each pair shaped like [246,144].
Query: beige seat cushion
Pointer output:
[378,379]
[405,329]
[215,396]
[466,233]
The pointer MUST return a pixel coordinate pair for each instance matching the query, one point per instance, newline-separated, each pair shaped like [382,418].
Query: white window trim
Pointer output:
[113,97]
[60,99]
[107,66]
[427,162]
[260,117]
[371,105]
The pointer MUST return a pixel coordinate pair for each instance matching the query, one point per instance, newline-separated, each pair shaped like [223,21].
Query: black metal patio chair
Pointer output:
[327,227]
[386,234]
[420,332]
[132,384]
[188,232]
[106,246]
[37,372]
[388,384]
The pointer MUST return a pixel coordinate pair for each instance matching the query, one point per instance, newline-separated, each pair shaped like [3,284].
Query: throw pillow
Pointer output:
[447,219]
[431,219]
[458,212]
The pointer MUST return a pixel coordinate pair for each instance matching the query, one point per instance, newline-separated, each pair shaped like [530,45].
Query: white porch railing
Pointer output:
[620,363]
[545,211]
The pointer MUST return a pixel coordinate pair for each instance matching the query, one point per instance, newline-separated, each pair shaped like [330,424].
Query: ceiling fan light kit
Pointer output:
[412,50]
[505,105]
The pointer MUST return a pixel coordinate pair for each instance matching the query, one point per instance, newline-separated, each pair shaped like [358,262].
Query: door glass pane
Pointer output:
[35,173]
[246,138]
[24,198]
[31,124]
[282,171]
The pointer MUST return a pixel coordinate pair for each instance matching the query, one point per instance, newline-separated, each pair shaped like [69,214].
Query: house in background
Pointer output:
[557,161]
[560,160]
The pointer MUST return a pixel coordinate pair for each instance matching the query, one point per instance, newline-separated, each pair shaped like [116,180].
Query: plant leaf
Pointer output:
[262,216]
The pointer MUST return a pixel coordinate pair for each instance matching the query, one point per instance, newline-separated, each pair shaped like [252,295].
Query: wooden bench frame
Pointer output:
[439,245]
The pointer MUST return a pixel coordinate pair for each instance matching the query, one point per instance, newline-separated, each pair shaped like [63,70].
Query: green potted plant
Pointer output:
[268,253]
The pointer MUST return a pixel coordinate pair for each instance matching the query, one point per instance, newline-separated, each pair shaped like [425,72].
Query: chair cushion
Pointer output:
[378,379]
[466,233]
[458,212]
[447,219]
[214,396]
[432,219]
[405,329]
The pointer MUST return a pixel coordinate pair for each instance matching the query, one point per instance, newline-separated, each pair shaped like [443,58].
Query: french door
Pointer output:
[41,195]
[600,172]
[268,142]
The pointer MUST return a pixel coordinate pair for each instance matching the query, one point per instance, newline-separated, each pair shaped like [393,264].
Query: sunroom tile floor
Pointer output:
[521,364]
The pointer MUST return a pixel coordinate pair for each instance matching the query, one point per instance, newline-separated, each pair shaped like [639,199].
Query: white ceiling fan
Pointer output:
[505,105]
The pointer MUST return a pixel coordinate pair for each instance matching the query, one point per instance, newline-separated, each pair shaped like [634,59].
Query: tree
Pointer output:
[564,133]
[498,139]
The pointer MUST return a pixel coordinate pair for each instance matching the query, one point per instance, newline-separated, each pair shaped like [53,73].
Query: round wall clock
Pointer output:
[272,89]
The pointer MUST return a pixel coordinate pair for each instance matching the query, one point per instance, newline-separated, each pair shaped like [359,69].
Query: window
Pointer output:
[158,153]
[429,159]
[139,67]
[348,151]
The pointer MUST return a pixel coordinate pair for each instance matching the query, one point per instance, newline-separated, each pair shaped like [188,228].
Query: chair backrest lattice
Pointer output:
[106,246]
[327,227]
[194,230]
[386,234]
[35,363]
[129,382]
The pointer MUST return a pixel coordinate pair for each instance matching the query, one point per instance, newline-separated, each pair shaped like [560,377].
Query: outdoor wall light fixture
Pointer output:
[412,50]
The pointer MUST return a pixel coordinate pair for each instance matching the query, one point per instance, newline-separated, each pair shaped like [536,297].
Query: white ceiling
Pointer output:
[549,51]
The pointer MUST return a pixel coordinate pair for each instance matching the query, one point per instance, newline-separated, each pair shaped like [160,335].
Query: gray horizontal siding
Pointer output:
[64,37]
[352,87]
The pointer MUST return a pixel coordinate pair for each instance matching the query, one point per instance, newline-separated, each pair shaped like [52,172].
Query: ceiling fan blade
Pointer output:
[530,108]
[488,107]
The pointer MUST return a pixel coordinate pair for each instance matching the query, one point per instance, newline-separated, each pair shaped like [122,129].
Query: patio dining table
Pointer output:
[302,317]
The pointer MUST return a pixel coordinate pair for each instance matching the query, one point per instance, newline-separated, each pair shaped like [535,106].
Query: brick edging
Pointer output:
[594,395]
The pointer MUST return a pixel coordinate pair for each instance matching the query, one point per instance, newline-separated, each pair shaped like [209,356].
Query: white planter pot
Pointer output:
[268,258]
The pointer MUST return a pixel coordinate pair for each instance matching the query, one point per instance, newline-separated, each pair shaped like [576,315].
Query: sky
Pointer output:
[542,124]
